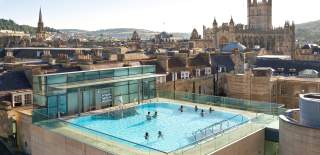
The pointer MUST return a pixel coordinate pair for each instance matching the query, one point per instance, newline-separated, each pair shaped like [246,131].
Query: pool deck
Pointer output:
[257,122]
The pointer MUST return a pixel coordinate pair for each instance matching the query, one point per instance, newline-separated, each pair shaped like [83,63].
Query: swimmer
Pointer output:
[160,135]
[211,110]
[146,136]
[181,109]
[155,114]
[196,108]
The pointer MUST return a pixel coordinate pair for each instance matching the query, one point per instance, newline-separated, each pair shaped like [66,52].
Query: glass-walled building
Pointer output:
[71,93]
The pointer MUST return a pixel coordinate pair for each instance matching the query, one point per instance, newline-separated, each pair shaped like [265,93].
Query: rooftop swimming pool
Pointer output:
[178,129]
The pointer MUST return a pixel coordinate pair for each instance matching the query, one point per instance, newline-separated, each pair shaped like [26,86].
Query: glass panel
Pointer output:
[86,100]
[52,112]
[149,69]
[91,75]
[121,99]
[52,106]
[75,77]
[72,102]
[134,98]
[39,100]
[121,90]
[135,71]
[63,104]
[134,88]
[56,79]
[106,74]
[52,101]
[121,72]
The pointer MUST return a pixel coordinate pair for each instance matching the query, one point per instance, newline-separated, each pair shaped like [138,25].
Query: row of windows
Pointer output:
[186,74]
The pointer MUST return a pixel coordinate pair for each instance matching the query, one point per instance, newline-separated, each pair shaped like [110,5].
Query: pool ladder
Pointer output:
[209,131]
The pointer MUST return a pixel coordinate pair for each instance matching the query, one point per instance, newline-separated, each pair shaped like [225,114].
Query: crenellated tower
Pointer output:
[260,15]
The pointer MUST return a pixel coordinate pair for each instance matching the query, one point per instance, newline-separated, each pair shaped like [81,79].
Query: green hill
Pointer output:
[308,31]
[11,25]
[120,33]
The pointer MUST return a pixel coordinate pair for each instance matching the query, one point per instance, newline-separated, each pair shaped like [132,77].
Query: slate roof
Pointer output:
[223,60]
[229,47]
[14,80]
[288,64]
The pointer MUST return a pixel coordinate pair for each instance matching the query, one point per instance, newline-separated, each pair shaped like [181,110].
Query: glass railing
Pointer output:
[96,139]
[215,143]
[214,138]
[247,105]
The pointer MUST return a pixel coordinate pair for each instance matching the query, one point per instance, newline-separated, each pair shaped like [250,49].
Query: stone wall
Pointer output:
[203,85]
[251,145]
[44,142]
[5,124]
[281,90]
[245,86]
[23,132]
[298,140]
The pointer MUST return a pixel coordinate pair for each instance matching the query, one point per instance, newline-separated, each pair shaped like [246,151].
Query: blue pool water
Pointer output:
[179,129]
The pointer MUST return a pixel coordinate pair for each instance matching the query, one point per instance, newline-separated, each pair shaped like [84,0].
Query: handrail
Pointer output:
[218,123]
[197,141]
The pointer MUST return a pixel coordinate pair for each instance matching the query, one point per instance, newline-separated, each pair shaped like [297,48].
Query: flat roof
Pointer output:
[281,57]
[105,81]
[49,48]
[90,70]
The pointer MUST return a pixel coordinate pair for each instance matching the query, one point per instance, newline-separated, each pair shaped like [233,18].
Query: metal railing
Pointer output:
[248,105]
[210,131]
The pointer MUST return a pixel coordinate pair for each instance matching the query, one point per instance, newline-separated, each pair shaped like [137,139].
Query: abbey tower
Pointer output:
[260,14]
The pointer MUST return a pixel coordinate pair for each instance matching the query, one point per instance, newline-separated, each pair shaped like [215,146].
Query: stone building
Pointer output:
[309,52]
[299,129]
[258,33]
[186,73]
[41,34]
[261,85]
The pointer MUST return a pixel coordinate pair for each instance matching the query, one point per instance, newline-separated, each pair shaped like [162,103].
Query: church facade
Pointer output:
[258,33]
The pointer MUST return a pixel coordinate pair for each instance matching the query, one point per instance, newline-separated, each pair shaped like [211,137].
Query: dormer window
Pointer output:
[174,76]
[185,74]
[198,72]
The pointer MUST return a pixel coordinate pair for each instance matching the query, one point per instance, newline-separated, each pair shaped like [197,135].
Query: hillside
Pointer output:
[118,33]
[308,31]
[11,25]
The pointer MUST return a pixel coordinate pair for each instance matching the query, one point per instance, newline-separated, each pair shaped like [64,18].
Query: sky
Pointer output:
[156,15]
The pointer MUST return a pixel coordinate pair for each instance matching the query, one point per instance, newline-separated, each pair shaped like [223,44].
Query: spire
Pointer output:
[40,16]
[215,21]
[231,21]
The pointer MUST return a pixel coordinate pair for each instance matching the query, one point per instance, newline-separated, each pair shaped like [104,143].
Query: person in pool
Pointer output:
[202,113]
[148,116]
[211,110]
[181,108]
[196,108]
[160,135]
[146,136]
[155,114]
